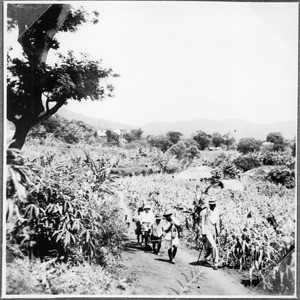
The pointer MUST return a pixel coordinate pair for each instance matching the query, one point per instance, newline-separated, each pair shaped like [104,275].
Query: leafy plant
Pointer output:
[247,162]
[282,175]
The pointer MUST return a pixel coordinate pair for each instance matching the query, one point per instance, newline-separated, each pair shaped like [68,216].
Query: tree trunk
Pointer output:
[22,129]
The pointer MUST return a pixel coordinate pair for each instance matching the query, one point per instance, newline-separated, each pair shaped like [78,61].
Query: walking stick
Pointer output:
[200,252]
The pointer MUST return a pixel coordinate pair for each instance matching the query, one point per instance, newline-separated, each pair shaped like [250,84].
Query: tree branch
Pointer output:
[49,113]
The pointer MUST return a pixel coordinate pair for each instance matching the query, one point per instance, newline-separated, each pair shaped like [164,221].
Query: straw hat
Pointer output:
[168,213]
[212,201]
[147,207]
[158,217]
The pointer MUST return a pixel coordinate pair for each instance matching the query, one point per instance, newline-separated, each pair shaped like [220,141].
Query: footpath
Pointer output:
[152,274]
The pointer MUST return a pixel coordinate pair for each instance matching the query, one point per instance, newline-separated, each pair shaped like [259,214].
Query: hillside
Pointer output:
[98,123]
[240,128]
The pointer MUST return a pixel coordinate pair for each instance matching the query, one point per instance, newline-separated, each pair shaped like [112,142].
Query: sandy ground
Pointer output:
[153,274]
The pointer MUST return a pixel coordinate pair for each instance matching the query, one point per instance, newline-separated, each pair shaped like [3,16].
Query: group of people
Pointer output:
[156,228]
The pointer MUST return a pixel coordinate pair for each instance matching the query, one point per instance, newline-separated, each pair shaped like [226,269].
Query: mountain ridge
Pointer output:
[241,128]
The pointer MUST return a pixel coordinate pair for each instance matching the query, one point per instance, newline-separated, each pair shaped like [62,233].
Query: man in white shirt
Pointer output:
[211,229]
[157,233]
[147,219]
[171,237]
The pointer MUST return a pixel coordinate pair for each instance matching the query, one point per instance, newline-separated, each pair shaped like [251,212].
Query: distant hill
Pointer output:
[98,123]
[239,128]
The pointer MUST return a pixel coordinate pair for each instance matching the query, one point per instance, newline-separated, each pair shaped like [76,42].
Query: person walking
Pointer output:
[211,230]
[157,234]
[137,220]
[147,219]
[171,234]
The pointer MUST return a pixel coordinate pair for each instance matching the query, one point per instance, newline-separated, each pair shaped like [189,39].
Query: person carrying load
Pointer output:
[157,234]
[137,220]
[171,234]
[147,219]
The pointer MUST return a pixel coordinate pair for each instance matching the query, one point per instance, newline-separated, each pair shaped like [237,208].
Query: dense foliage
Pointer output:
[66,213]
[62,209]
[257,221]
[247,145]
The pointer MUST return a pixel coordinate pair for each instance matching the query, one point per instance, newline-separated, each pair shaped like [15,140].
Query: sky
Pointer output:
[185,60]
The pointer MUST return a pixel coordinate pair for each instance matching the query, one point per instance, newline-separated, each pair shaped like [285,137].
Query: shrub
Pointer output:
[277,139]
[277,159]
[247,163]
[67,213]
[282,175]
[177,150]
[247,145]
[229,170]
[161,142]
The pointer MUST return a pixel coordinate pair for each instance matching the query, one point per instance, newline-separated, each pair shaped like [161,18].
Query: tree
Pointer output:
[202,139]
[191,152]
[133,135]
[30,79]
[247,163]
[178,150]
[112,137]
[228,140]
[174,136]
[160,141]
[277,139]
[191,142]
[217,139]
[247,145]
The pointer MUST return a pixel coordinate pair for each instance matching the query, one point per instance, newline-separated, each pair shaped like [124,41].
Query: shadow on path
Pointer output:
[161,259]
[202,263]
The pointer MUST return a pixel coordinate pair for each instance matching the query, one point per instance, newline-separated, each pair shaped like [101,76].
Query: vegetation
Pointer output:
[277,139]
[247,145]
[30,78]
[62,208]
[64,221]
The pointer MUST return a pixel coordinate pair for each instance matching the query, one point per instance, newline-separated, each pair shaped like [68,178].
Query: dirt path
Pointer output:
[153,274]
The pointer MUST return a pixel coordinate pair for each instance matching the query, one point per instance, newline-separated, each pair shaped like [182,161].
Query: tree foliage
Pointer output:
[59,128]
[202,138]
[217,139]
[229,140]
[178,150]
[112,137]
[247,145]
[30,79]
[174,136]
[247,162]
[277,139]
[133,135]
[160,141]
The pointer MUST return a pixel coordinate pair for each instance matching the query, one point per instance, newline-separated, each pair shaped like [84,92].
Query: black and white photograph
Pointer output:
[149,149]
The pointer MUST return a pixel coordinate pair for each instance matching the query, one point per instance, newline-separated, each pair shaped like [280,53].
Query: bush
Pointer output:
[48,278]
[177,150]
[277,139]
[282,175]
[247,145]
[161,142]
[59,128]
[247,163]
[68,213]
[278,159]
[229,170]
